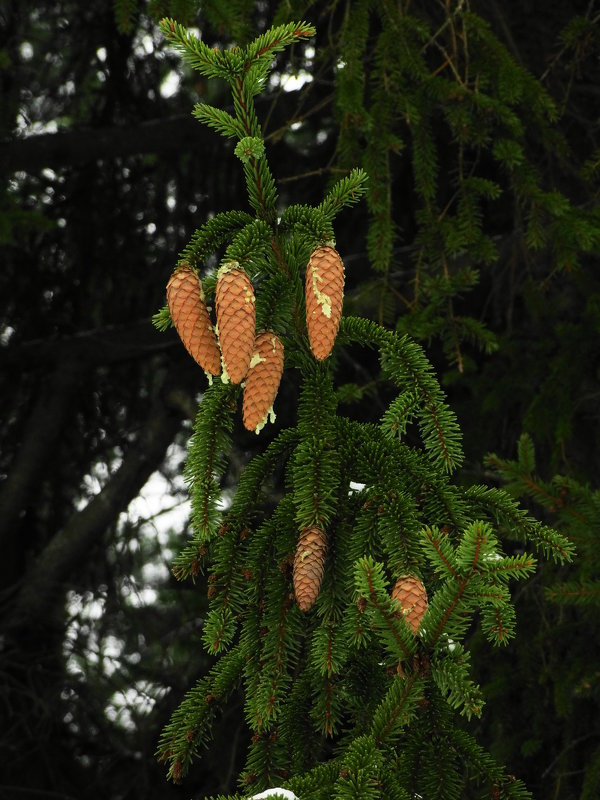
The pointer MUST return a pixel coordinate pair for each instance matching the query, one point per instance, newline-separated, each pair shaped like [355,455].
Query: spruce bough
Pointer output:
[344,696]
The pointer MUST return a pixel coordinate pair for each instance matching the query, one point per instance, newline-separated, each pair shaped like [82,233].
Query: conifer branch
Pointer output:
[212,234]
[474,571]
[500,507]
[277,650]
[451,673]
[315,462]
[212,63]
[345,192]
[255,473]
[583,593]
[210,442]
[405,363]
[219,120]
[189,727]
[263,48]
[395,632]
[440,550]
[397,709]
[509,788]
[360,771]
[358,667]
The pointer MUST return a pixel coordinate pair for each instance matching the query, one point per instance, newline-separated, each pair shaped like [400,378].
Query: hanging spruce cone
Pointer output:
[309,564]
[324,298]
[234,299]
[262,380]
[412,596]
[189,313]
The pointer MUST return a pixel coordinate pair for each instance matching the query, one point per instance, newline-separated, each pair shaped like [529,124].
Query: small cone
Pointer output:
[412,596]
[324,297]
[189,313]
[234,300]
[309,564]
[262,380]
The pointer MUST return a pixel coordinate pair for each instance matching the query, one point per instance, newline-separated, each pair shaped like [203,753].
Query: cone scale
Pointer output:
[234,301]
[410,592]
[262,380]
[309,565]
[190,316]
[324,298]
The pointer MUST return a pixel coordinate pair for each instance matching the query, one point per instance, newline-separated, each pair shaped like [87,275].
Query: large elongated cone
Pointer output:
[309,564]
[189,313]
[412,596]
[234,299]
[262,380]
[324,297]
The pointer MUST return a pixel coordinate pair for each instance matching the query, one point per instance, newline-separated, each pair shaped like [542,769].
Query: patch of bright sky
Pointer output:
[26,51]
[96,479]
[157,510]
[6,334]
[29,128]
[138,699]
[84,610]
[170,84]
[138,595]
[67,89]
[147,44]
[291,81]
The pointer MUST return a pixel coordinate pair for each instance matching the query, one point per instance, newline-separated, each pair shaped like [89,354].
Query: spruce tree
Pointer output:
[342,609]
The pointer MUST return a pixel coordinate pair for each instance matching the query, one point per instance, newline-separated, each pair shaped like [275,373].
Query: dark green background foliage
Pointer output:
[477,125]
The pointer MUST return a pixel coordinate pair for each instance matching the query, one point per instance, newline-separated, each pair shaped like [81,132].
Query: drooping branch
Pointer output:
[176,134]
[68,548]
[68,147]
[109,344]
[42,432]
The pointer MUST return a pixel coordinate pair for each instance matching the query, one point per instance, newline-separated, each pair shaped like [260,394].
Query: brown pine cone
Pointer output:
[262,380]
[412,596]
[189,313]
[324,297]
[309,565]
[234,299]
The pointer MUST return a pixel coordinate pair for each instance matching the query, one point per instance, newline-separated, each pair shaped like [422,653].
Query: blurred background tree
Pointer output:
[478,125]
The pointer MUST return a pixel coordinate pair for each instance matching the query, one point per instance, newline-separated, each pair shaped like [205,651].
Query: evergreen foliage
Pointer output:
[414,86]
[471,297]
[345,700]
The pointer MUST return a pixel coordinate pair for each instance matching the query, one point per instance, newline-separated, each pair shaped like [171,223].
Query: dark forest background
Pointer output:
[106,176]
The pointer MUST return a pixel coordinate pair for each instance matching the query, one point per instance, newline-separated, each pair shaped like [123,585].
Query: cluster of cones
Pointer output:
[238,353]
[232,348]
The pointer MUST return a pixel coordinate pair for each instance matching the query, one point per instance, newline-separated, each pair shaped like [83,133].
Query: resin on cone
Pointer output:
[324,297]
[309,565]
[189,313]
[234,300]
[262,381]
[412,596]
